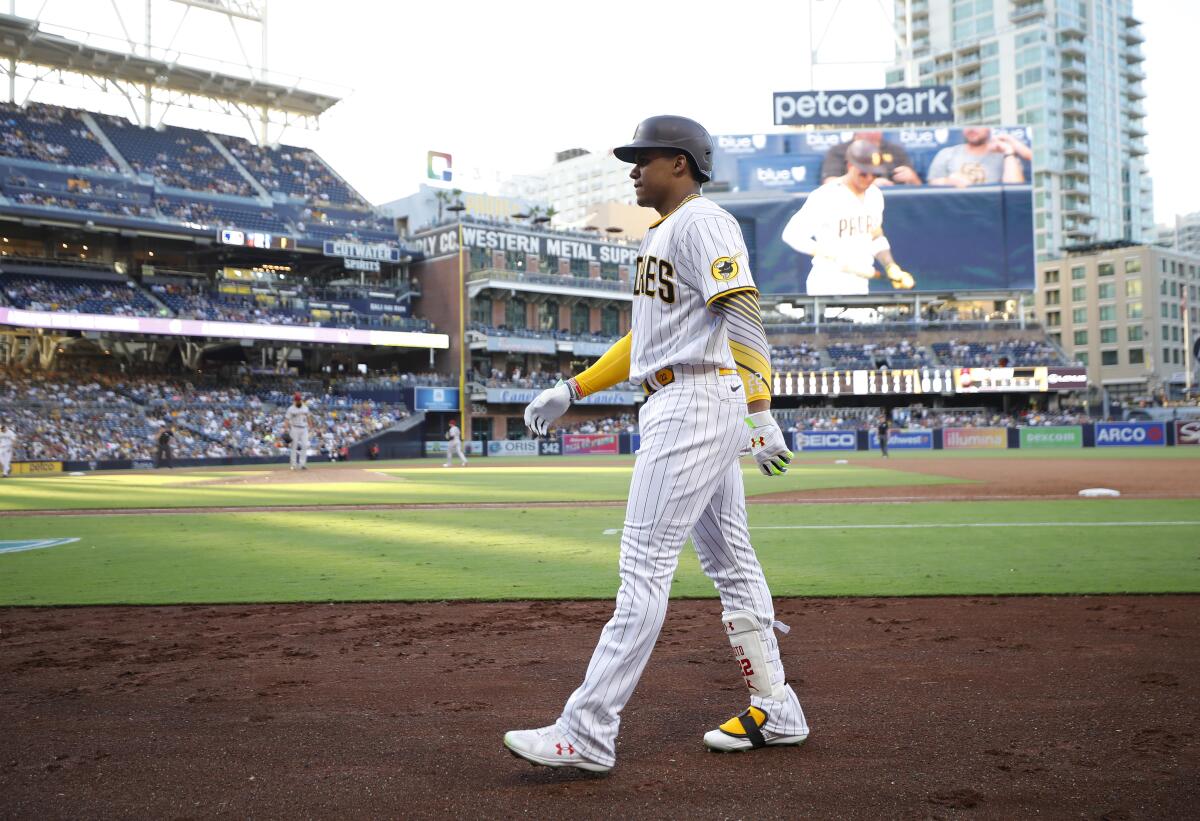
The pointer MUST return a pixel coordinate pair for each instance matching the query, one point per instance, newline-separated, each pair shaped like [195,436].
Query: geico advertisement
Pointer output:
[1130,434]
[826,440]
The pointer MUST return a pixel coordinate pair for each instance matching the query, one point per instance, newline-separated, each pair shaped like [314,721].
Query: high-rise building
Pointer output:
[575,185]
[1070,69]
[1183,235]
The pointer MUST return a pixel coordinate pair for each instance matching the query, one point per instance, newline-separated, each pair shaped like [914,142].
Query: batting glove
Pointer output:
[547,407]
[899,277]
[768,445]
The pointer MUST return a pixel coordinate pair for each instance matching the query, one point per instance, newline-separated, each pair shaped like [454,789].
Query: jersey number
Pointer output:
[655,278]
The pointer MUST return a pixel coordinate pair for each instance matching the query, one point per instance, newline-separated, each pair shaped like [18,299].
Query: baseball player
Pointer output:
[7,438]
[698,348]
[295,425]
[841,227]
[454,445]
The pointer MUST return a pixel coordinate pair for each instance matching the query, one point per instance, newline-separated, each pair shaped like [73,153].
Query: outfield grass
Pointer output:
[497,480]
[855,550]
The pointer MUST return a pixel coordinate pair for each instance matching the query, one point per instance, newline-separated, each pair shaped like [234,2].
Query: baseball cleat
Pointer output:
[746,732]
[547,747]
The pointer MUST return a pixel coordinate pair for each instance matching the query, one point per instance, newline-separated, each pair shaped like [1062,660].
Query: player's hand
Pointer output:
[900,278]
[547,407]
[768,445]
[904,175]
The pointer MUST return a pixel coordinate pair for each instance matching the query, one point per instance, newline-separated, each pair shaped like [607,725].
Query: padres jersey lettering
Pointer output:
[685,261]
[839,230]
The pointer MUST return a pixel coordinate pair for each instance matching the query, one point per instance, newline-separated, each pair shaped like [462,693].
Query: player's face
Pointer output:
[653,173]
[859,180]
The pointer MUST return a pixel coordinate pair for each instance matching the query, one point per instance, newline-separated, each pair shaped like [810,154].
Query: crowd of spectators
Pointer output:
[64,417]
[50,134]
[529,333]
[296,171]
[992,354]
[75,296]
[802,357]
[623,423]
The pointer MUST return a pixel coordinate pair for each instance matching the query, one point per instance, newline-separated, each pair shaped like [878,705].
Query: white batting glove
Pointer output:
[768,445]
[547,407]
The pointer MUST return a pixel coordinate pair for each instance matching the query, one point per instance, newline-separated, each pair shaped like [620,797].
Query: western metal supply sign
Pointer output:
[445,242]
[870,106]
[1130,434]
[1053,436]
[826,440]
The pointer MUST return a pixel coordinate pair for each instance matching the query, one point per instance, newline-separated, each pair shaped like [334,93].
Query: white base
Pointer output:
[1099,492]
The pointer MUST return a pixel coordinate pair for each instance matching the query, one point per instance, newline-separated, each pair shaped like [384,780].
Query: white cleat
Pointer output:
[547,747]
[746,732]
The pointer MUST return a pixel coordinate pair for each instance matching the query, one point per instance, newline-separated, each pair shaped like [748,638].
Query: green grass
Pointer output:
[564,553]
[496,480]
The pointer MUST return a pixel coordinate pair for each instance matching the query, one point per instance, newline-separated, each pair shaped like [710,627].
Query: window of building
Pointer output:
[1108,336]
[1052,297]
[1078,272]
[1079,316]
[514,313]
[1166,333]
[1079,293]
[1081,357]
[610,321]
[1081,338]
[1136,356]
[1133,288]
[1133,310]
[547,313]
[1051,276]
[1174,310]
[1104,269]
[1108,357]
[1174,333]
[1162,288]
[1055,338]
[1174,289]
[581,319]
[1133,265]
[1053,319]
[1108,313]
[1107,290]
[1134,333]
[481,310]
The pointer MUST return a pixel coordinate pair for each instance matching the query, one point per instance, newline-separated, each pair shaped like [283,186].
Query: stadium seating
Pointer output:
[82,296]
[50,134]
[178,157]
[988,354]
[295,172]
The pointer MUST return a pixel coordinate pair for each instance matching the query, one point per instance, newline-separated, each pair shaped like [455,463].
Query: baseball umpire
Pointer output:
[698,348]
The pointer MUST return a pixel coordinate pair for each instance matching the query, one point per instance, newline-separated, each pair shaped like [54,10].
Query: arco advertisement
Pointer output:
[1130,434]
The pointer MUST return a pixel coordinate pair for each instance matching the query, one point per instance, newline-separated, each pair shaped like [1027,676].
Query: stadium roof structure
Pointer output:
[22,39]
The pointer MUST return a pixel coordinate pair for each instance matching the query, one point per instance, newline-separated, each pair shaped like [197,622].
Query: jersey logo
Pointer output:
[725,268]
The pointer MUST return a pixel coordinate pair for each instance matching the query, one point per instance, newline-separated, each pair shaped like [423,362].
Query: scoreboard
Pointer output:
[915,381]
[255,239]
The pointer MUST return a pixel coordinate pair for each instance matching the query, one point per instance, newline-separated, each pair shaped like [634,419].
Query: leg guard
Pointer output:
[750,642]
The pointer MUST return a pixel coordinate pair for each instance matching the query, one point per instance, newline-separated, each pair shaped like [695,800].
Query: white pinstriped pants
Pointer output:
[687,480]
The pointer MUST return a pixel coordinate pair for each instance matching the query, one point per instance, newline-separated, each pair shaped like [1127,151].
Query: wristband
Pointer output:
[573,389]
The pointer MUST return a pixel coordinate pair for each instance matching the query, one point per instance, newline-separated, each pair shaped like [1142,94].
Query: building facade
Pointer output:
[575,185]
[1071,70]
[1127,312]
[1183,235]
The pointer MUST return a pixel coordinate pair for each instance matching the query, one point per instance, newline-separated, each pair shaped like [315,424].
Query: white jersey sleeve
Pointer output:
[714,259]
[7,438]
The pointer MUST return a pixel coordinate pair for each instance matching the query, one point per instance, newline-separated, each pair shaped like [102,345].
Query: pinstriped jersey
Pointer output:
[686,260]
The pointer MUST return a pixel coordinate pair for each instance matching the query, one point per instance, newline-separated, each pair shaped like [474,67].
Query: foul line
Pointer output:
[21,546]
[974,524]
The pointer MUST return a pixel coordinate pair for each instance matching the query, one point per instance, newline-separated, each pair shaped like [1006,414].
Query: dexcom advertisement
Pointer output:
[953,207]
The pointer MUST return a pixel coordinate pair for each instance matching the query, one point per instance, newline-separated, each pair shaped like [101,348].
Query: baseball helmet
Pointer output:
[869,157]
[670,131]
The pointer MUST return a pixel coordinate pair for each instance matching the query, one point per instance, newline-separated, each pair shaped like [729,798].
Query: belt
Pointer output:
[665,376]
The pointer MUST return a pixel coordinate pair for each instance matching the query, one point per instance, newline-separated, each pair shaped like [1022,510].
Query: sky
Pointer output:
[503,85]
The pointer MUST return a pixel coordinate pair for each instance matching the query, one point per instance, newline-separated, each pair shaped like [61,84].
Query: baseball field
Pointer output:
[969,637]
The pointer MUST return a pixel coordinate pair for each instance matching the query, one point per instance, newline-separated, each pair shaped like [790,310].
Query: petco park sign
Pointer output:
[927,104]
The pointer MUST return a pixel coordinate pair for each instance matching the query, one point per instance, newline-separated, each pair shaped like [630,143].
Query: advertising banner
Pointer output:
[445,241]
[439,447]
[903,439]
[1039,378]
[1187,433]
[826,440]
[578,444]
[513,447]
[520,344]
[1130,434]
[549,447]
[523,396]
[863,382]
[435,399]
[35,468]
[865,106]
[220,330]
[1052,436]
[974,438]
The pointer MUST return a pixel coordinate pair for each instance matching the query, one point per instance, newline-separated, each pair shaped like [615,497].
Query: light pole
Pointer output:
[457,207]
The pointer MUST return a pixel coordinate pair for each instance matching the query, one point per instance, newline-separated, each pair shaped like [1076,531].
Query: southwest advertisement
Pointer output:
[953,206]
